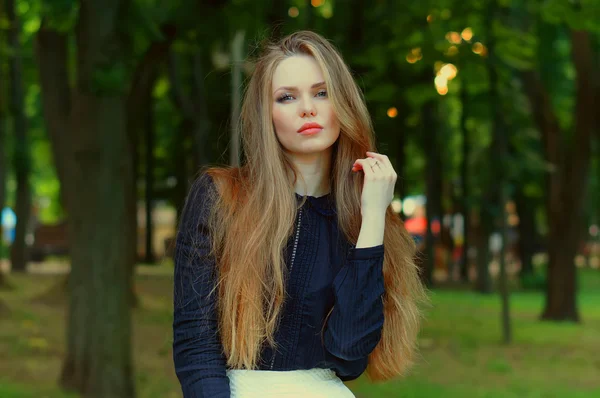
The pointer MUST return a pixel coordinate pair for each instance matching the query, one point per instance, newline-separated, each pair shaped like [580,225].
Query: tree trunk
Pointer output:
[499,169]
[193,107]
[2,181]
[400,165]
[276,18]
[527,231]
[3,150]
[98,361]
[144,80]
[22,162]
[237,57]
[149,128]
[464,178]
[90,144]
[567,183]
[310,15]
[433,185]
[180,156]
[483,282]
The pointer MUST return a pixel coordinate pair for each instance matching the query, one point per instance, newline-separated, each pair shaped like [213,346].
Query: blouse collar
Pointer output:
[323,204]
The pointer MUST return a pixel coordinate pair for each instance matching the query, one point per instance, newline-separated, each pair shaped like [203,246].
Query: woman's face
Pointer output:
[302,113]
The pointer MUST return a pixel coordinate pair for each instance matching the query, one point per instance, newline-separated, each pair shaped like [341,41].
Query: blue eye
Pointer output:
[284,97]
[322,93]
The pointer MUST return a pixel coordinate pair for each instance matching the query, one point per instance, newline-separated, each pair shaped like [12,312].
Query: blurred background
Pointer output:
[488,110]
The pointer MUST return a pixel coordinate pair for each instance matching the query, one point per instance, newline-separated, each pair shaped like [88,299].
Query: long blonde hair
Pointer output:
[254,209]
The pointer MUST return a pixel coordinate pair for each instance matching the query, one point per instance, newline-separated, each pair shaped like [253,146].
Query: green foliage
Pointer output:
[515,48]
[61,14]
[375,39]
[110,79]
[580,14]
[144,17]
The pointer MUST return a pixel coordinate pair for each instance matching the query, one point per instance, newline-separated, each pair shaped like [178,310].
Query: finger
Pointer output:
[375,164]
[379,168]
[366,167]
[358,166]
[382,158]
[386,161]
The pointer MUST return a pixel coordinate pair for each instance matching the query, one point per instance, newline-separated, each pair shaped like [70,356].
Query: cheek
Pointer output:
[333,121]
[281,120]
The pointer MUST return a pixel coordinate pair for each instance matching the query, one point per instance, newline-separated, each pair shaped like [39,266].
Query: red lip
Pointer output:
[311,125]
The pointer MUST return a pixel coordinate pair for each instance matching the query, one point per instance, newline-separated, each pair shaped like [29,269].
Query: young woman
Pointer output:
[283,287]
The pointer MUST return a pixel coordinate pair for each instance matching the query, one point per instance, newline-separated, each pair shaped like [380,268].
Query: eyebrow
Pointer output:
[292,88]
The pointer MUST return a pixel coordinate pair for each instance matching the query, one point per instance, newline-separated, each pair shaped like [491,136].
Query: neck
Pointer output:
[315,169]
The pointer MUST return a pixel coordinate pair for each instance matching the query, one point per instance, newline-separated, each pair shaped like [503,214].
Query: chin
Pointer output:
[309,145]
[317,144]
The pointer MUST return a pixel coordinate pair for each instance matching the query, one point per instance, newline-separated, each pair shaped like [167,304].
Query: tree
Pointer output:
[500,138]
[567,181]
[140,117]
[464,180]
[87,127]
[3,146]
[21,158]
[434,184]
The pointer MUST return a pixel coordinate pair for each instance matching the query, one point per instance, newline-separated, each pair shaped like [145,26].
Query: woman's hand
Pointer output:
[378,187]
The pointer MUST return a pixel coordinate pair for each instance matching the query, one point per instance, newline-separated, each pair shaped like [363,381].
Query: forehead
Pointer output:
[299,71]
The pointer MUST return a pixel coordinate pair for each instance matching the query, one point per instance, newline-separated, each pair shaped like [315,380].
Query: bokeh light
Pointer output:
[441,84]
[438,65]
[392,112]
[397,205]
[467,34]
[414,55]
[409,206]
[448,71]
[452,50]
[293,12]
[440,81]
[453,37]
[479,49]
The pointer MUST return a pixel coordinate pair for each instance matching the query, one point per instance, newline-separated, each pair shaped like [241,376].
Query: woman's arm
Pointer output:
[354,327]
[199,361]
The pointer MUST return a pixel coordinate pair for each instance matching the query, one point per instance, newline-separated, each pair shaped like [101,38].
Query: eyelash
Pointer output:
[286,96]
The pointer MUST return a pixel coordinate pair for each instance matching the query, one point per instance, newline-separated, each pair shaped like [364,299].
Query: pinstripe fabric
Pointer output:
[328,273]
[354,327]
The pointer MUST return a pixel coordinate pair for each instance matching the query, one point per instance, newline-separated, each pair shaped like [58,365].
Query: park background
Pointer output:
[488,110]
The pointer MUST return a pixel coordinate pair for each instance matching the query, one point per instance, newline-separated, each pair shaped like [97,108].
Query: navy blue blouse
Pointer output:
[325,271]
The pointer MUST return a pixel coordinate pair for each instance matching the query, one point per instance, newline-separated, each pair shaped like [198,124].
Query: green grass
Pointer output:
[461,351]
[11,390]
[462,354]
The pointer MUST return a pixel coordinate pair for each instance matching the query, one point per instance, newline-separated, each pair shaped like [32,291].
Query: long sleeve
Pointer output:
[199,361]
[353,329]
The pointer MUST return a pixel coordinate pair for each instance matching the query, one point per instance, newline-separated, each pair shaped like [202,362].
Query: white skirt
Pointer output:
[312,383]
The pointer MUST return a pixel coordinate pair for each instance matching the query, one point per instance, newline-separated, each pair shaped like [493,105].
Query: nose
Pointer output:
[307,108]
